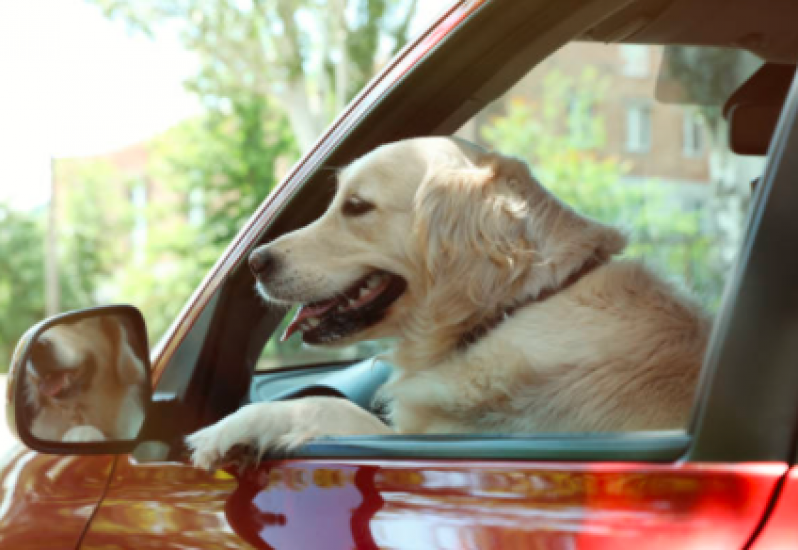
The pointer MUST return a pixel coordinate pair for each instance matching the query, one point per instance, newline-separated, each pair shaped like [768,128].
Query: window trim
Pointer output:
[419,87]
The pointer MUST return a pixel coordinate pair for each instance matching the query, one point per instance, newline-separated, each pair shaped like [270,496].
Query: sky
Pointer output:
[73,83]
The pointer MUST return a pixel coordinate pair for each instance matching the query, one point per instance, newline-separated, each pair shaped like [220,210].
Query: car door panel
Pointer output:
[434,504]
[46,501]
[779,531]
[164,505]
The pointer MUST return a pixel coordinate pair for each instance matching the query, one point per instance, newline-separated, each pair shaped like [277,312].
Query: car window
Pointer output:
[603,127]
[629,135]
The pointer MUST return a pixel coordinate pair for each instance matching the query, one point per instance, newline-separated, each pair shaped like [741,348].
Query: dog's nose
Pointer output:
[262,261]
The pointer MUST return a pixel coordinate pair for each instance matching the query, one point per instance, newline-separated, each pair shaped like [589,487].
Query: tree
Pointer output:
[21,277]
[219,168]
[212,172]
[311,56]
[561,138]
[259,61]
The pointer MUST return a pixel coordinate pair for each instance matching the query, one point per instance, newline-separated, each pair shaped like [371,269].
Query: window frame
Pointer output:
[644,130]
[428,81]
[693,138]
[577,127]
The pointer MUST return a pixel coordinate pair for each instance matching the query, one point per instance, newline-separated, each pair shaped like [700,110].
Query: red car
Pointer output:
[727,481]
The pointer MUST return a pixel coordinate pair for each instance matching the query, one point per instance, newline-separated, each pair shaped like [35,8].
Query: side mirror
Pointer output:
[80,382]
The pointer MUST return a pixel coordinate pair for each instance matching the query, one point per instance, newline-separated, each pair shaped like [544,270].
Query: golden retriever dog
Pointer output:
[84,382]
[511,311]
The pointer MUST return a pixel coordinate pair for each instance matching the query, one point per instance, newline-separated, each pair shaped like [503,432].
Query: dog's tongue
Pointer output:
[53,384]
[306,312]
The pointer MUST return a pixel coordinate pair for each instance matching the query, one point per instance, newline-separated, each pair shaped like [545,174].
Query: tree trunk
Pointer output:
[306,122]
[51,288]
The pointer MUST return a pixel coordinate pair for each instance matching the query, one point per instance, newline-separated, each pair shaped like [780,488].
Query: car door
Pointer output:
[707,487]
[46,501]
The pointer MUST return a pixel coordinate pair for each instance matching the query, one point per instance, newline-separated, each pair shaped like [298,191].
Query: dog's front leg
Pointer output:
[280,426]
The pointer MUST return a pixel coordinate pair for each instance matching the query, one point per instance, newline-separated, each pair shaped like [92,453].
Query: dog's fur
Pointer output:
[110,405]
[473,233]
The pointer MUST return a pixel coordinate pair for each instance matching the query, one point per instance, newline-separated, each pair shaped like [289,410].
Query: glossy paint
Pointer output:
[781,530]
[46,501]
[415,505]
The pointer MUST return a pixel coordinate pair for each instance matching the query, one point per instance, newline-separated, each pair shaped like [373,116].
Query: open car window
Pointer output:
[629,135]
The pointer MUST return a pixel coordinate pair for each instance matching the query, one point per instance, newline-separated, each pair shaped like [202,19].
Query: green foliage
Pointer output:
[227,160]
[95,223]
[562,138]
[705,77]
[21,277]
[312,56]
[262,66]
[262,63]
[92,239]
[211,173]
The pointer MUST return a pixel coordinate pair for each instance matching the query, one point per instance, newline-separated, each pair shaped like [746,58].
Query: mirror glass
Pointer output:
[86,380]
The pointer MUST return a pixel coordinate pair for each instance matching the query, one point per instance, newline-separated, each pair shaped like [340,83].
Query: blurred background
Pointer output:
[136,138]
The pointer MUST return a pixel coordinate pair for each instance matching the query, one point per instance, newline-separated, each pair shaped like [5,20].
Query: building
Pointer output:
[666,143]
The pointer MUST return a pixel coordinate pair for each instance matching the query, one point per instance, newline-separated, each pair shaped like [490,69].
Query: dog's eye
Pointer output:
[355,206]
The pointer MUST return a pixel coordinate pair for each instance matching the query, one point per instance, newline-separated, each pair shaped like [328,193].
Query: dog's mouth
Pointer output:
[364,304]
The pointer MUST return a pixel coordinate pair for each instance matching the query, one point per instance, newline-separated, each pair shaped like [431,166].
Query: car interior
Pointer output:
[213,371]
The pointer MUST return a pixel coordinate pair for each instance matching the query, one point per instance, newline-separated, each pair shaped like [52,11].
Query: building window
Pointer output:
[196,207]
[638,128]
[635,60]
[138,198]
[692,135]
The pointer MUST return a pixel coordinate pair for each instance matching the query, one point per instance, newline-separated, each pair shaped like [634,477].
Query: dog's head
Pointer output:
[430,229]
[83,366]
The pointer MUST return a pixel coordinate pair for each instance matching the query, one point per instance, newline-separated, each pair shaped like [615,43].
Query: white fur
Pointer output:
[473,233]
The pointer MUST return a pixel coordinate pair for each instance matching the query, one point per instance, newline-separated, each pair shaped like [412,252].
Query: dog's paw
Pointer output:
[83,434]
[246,435]
[280,427]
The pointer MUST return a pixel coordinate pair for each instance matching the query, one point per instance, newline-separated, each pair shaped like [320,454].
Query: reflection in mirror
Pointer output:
[85,380]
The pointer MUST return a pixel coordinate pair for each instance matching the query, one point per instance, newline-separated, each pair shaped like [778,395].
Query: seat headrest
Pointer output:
[753,109]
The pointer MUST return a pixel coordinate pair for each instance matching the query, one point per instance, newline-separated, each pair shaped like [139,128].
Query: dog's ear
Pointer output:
[494,233]
[129,368]
[472,236]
